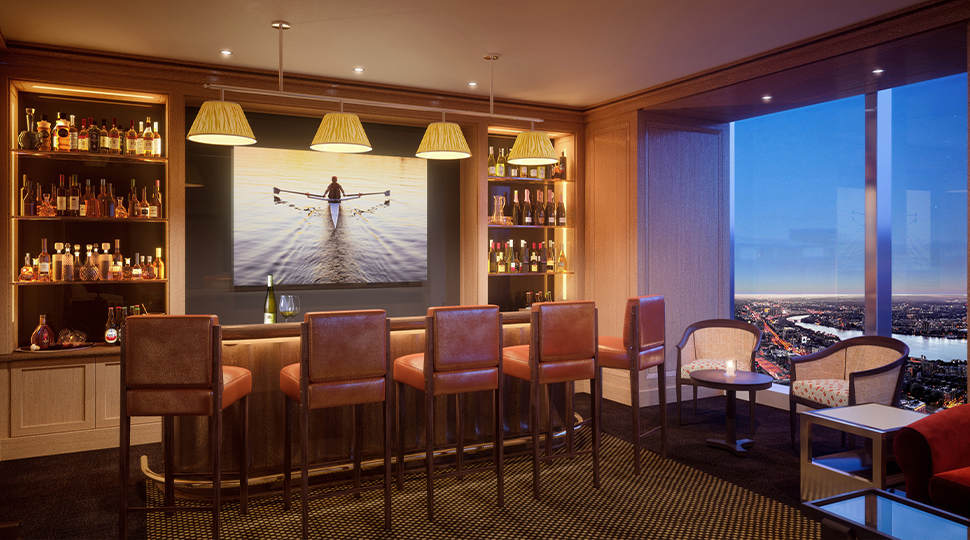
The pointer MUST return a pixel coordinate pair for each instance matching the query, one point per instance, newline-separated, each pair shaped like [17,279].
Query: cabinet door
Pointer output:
[108,408]
[52,396]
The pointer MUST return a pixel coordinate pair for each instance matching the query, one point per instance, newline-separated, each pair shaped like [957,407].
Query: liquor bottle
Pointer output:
[148,272]
[89,270]
[114,138]
[147,138]
[534,260]
[140,140]
[74,198]
[527,210]
[111,328]
[561,211]
[116,270]
[134,207]
[136,267]
[72,135]
[551,258]
[126,271]
[513,170]
[43,263]
[111,201]
[551,208]
[540,209]
[269,306]
[516,209]
[94,137]
[61,197]
[120,211]
[27,270]
[143,207]
[77,262]
[28,138]
[27,200]
[491,160]
[156,141]
[44,134]
[61,135]
[541,258]
[155,203]
[67,264]
[159,264]
[523,257]
[510,263]
[561,261]
[534,172]
[500,165]
[57,262]
[121,312]
[541,172]
[92,206]
[104,262]
[491,258]
[39,199]
[103,137]
[104,201]
[131,140]
[82,136]
[43,337]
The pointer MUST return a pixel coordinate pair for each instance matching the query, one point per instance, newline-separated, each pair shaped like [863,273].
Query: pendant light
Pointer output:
[223,123]
[533,148]
[443,140]
[342,133]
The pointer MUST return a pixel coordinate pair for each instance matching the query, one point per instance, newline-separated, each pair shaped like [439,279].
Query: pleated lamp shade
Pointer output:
[223,123]
[533,148]
[443,140]
[341,133]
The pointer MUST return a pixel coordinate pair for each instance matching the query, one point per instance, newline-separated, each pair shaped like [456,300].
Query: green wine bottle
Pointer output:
[269,307]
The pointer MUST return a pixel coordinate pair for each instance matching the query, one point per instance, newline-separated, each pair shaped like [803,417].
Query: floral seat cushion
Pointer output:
[828,392]
[698,365]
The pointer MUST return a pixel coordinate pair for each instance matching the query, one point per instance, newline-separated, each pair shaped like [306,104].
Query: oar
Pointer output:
[277,191]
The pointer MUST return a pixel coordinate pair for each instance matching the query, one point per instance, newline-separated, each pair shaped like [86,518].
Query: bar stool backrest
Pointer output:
[346,345]
[650,322]
[466,337]
[566,330]
[170,363]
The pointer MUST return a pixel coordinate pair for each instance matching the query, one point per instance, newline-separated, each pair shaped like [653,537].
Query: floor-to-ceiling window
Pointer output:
[799,230]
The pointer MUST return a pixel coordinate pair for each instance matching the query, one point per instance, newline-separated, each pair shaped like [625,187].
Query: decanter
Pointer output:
[148,269]
[46,208]
[120,211]
[89,272]
[42,337]
[126,269]
[27,271]
[28,139]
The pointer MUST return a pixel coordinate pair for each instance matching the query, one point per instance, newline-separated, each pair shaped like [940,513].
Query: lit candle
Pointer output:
[729,367]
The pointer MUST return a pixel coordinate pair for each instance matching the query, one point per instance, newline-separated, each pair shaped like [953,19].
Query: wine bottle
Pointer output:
[156,141]
[561,211]
[540,209]
[43,337]
[500,165]
[492,267]
[500,265]
[27,200]
[111,328]
[114,138]
[551,208]
[91,206]
[159,264]
[269,306]
[491,160]
[551,258]
[534,260]
[527,210]
[61,197]
[516,209]
[104,201]
[121,313]
[44,263]
[561,261]
[523,257]
[103,137]
[155,203]
[74,199]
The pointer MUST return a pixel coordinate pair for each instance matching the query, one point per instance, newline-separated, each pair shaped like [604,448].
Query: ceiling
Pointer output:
[565,52]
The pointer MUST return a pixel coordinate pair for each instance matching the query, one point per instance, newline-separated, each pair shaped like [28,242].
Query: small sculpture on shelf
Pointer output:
[28,139]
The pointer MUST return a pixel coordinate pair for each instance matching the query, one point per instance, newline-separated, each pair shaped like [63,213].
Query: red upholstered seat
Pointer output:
[952,488]
[934,455]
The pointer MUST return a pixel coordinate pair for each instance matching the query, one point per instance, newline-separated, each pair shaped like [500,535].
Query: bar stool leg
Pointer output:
[429,450]
[168,425]
[287,450]
[123,453]
[244,459]
[358,445]
[400,436]
[459,437]
[534,420]
[662,389]
[304,467]
[570,415]
[499,446]
[549,415]
[635,406]
[216,422]
[598,407]
[387,464]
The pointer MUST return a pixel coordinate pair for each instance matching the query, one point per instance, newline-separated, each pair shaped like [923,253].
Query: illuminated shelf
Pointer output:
[531,274]
[90,220]
[79,282]
[493,226]
[547,181]
[89,157]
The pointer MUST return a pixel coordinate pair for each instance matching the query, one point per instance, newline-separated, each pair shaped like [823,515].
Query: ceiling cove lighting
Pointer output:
[225,52]
[877,71]
[223,122]
[473,83]
[359,69]
[766,98]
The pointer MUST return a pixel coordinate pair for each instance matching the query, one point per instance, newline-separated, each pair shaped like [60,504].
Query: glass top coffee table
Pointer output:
[875,514]
[742,381]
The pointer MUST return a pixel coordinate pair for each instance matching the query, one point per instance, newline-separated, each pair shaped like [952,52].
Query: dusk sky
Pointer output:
[799,195]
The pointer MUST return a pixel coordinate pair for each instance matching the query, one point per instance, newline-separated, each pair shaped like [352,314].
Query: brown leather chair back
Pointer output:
[650,318]
[346,345]
[566,330]
[465,337]
[169,351]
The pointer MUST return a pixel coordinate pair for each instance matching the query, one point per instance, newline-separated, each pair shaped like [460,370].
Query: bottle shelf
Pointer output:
[89,157]
[493,226]
[544,181]
[90,220]
[98,282]
[490,274]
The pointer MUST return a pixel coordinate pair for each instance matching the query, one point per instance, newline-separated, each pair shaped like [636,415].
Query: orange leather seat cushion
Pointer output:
[332,393]
[237,383]
[613,354]
[409,370]
[515,362]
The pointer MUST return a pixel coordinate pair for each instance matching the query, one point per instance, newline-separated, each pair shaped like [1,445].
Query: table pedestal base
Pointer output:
[739,448]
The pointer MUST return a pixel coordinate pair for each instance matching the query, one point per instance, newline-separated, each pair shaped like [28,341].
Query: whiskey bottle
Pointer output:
[28,203]
[94,137]
[44,134]
[159,264]
[61,135]
[120,211]
[156,141]
[57,262]
[148,269]
[104,201]
[116,272]
[82,136]
[28,139]
[140,140]
[72,134]
[60,196]
[126,271]
[134,207]
[136,268]
[103,137]
[114,138]
[43,263]
[111,328]
[148,138]
[104,262]
[155,203]
[131,140]
[27,270]
[144,207]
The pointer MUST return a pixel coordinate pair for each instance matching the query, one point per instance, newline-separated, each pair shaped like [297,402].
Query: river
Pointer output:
[932,348]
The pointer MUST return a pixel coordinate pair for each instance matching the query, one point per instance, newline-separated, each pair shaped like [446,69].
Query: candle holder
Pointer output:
[730,368]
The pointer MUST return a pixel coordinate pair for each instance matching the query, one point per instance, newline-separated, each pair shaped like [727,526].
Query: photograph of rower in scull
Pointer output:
[370,226]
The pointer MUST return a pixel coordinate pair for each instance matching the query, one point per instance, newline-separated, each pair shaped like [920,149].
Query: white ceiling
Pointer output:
[568,52]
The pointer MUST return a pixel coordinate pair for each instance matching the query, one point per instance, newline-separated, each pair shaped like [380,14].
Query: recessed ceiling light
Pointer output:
[359,69]
[225,52]
[766,98]
[877,71]
[473,83]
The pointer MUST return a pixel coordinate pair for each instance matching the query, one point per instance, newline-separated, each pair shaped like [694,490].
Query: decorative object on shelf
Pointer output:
[43,337]
[498,213]
[28,139]
[342,133]
[47,209]
[443,140]
[27,270]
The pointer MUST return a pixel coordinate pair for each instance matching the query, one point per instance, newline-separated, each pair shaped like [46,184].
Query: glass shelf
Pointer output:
[530,274]
[98,282]
[89,157]
[90,220]
[546,181]
[493,226]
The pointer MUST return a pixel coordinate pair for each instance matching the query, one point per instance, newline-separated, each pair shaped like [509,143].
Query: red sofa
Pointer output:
[934,454]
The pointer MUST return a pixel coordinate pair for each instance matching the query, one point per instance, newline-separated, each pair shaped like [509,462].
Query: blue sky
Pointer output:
[799,195]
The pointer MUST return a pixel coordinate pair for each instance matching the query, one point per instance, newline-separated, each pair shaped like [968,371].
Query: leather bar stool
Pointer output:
[640,348]
[562,348]
[463,350]
[171,365]
[344,360]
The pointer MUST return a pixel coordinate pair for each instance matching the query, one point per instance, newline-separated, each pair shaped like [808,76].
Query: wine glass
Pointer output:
[289,306]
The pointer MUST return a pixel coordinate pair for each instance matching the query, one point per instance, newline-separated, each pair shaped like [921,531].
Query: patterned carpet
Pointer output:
[667,501]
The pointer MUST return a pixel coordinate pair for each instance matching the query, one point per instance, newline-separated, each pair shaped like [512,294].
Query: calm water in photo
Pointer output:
[377,239]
